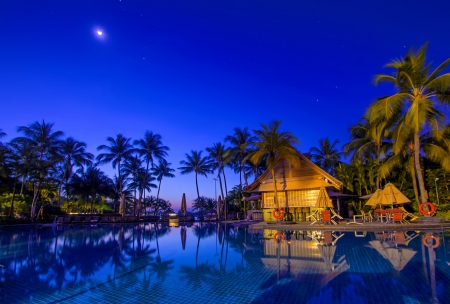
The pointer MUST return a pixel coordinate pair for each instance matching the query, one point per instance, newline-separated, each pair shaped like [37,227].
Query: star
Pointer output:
[99,33]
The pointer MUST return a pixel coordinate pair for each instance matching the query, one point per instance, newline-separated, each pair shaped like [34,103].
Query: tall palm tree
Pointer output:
[150,147]
[217,155]
[197,164]
[131,167]
[143,182]
[118,150]
[326,156]
[73,153]
[273,145]
[162,170]
[240,141]
[44,142]
[417,97]
[370,141]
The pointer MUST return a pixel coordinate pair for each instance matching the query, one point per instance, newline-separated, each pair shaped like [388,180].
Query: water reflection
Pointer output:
[144,262]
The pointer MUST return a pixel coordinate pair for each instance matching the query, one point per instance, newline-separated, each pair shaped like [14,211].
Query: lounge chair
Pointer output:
[208,217]
[95,219]
[77,220]
[67,219]
[314,217]
[132,219]
[60,220]
[213,217]
[407,215]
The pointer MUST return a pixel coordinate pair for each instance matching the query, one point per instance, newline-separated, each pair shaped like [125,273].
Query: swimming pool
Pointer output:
[214,263]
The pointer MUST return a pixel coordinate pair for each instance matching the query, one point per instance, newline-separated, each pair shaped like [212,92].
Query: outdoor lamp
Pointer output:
[435,185]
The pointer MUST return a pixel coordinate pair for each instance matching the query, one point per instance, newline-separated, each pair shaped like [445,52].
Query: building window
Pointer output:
[296,198]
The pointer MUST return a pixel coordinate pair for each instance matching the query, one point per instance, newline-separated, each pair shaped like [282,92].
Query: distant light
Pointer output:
[99,33]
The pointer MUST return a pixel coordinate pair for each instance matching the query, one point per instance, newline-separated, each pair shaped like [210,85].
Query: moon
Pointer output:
[99,33]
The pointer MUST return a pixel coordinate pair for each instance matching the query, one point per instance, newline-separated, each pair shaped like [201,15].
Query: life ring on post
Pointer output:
[431,208]
[278,237]
[280,213]
[430,236]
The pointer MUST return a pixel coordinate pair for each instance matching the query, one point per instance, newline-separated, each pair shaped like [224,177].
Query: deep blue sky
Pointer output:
[194,70]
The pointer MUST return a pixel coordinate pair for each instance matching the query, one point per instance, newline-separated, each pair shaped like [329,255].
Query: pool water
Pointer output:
[217,263]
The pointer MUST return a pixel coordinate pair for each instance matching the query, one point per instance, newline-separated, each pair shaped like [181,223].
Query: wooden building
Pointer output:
[298,188]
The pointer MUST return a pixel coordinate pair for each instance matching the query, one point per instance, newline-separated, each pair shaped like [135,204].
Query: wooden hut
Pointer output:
[298,188]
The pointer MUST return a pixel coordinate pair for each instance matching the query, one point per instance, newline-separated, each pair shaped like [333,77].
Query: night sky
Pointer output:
[194,70]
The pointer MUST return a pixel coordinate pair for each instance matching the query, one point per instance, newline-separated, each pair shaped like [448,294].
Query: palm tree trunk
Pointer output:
[145,181]
[24,180]
[159,187]
[275,192]
[224,181]
[11,210]
[220,183]
[414,180]
[423,192]
[196,183]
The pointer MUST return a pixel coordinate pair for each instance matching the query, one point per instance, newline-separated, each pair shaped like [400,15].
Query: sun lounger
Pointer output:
[95,219]
[60,220]
[132,219]
[314,217]
[77,220]
[213,217]
[67,219]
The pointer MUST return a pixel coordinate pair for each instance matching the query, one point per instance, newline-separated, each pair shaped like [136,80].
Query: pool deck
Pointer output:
[342,226]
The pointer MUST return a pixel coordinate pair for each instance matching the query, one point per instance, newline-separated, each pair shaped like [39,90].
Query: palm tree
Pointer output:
[44,142]
[131,167]
[274,145]
[240,142]
[2,134]
[327,156]
[141,178]
[418,92]
[73,153]
[198,164]
[162,170]
[118,150]
[370,141]
[217,155]
[150,147]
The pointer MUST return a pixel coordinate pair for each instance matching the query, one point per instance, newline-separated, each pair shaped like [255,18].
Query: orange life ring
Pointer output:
[431,206]
[430,236]
[280,213]
[280,235]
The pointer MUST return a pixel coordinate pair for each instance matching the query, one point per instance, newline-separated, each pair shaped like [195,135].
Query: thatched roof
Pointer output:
[307,176]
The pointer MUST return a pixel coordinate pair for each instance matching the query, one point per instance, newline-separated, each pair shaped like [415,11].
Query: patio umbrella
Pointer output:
[183,237]
[323,200]
[183,204]
[219,206]
[391,195]
[375,199]
[399,257]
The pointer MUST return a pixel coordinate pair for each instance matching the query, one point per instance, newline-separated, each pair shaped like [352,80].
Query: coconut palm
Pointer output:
[370,141]
[44,142]
[162,170]
[327,156]
[217,154]
[274,145]
[197,164]
[73,153]
[240,141]
[131,167]
[417,97]
[118,150]
[138,183]
[150,147]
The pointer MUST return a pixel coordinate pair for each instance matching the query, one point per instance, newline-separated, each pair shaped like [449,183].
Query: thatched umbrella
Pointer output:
[375,199]
[323,200]
[391,196]
[183,205]
[183,237]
